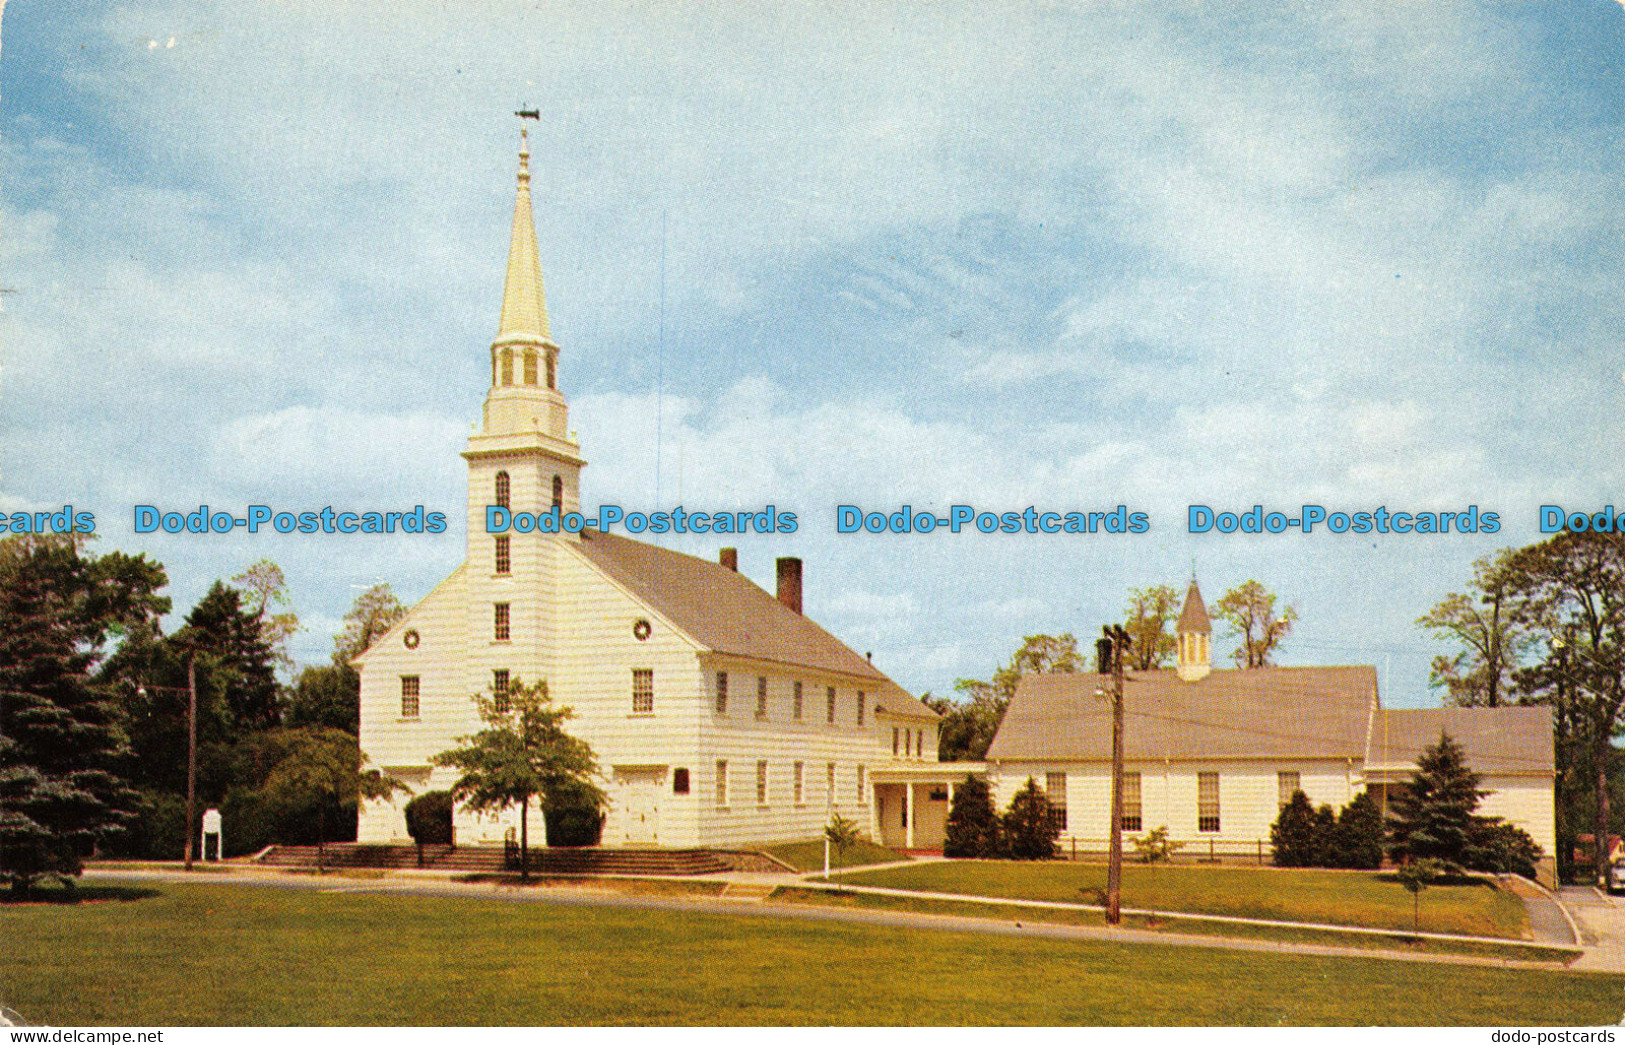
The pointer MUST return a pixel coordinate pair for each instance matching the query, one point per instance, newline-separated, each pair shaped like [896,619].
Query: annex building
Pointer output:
[1213,754]
[719,713]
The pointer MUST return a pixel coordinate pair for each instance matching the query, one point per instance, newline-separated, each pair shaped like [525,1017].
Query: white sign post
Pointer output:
[211,826]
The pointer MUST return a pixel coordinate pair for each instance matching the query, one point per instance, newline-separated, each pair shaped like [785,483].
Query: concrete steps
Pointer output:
[493,859]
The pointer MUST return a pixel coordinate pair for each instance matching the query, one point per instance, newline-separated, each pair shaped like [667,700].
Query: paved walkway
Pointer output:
[439,884]
[1602,926]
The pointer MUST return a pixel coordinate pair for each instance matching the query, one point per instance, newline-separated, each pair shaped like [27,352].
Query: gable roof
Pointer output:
[726,613]
[1515,739]
[1255,713]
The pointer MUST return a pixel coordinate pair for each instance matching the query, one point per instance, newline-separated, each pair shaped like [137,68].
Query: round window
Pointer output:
[411,638]
[641,630]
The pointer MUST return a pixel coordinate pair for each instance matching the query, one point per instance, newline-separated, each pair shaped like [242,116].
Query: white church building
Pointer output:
[718,712]
[722,716]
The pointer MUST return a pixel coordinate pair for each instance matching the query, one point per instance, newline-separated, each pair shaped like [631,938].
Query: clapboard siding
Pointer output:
[573,626]
[1248,793]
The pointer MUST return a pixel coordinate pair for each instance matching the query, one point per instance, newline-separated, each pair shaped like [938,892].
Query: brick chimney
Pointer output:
[790,583]
[729,557]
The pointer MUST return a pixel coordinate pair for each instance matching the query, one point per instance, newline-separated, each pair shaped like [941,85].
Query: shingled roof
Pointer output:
[725,612]
[1194,616]
[1261,713]
[1257,713]
[1496,740]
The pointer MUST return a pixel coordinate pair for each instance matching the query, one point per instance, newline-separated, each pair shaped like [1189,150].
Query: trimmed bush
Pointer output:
[428,818]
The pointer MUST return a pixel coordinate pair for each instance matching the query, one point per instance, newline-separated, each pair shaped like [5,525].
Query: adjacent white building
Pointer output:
[1213,755]
[720,713]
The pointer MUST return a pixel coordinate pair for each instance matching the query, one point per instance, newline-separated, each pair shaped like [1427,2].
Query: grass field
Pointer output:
[809,855]
[230,954]
[1337,897]
[1170,926]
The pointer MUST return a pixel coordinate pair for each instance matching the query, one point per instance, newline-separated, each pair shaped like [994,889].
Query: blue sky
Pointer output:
[1002,255]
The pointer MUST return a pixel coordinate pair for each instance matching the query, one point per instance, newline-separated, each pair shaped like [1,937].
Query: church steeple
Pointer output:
[524,392]
[1195,632]
[524,301]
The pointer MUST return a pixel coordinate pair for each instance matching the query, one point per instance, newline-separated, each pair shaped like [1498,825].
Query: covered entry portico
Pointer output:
[911,803]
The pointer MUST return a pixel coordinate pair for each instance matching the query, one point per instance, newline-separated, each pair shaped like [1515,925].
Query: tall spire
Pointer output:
[524,302]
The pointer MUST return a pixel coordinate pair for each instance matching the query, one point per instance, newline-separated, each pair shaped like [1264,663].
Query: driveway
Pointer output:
[1602,924]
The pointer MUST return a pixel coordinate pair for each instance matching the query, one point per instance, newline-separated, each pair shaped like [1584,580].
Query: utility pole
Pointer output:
[191,755]
[1111,648]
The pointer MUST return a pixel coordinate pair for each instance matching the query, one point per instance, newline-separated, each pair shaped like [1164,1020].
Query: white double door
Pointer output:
[637,804]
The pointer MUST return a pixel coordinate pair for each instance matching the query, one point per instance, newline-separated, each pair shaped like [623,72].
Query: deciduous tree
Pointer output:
[374,612]
[1490,636]
[522,754]
[1249,610]
[1148,620]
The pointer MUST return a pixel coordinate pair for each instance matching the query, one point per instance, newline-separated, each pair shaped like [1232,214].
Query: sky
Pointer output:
[1068,256]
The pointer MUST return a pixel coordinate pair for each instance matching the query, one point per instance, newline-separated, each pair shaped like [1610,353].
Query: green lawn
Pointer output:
[1336,897]
[230,954]
[809,855]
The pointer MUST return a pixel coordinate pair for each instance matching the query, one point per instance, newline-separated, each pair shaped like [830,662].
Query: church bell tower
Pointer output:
[523,456]
[1195,632]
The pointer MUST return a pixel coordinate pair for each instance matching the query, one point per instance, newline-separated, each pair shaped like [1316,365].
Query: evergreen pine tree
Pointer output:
[1030,832]
[1432,817]
[1293,833]
[234,659]
[973,824]
[1359,834]
[61,742]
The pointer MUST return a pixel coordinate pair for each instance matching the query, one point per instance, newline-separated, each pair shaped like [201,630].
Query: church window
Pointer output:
[504,487]
[1207,802]
[894,740]
[1131,802]
[795,689]
[722,693]
[409,696]
[863,774]
[530,368]
[761,696]
[507,366]
[552,370]
[679,781]
[499,690]
[722,782]
[829,705]
[558,492]
[643,691]
[761,783]
[862,702]
[500,622]
[796,778]
[1287,784]
[1055,791]
[504,562]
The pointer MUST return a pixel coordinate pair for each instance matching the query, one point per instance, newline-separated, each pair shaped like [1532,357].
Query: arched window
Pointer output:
[502,489]
[552,370]
[558,492]
[507,366]
[530,368]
